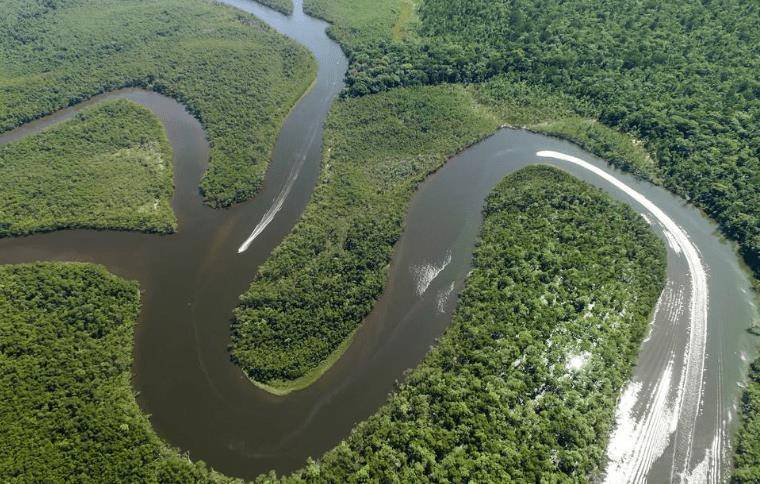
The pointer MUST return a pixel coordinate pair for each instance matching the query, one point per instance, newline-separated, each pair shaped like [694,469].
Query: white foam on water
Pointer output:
[672,242]
[443,297]
[708,469]
[426,273]
[647,434]
[636,443]
[279,201]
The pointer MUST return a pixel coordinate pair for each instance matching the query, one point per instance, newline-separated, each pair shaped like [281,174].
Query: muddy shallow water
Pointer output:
[203,404]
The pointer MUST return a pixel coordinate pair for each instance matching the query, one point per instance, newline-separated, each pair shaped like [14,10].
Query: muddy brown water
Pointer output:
[202,403]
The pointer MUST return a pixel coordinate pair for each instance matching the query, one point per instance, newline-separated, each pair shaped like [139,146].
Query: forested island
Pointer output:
[523,385]
[109,167]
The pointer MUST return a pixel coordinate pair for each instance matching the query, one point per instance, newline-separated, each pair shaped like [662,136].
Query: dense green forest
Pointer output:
[110,167]
[747,448]
[316,288]
[682,78]
[523,383]
[522,386]
[318,285]
[235,74]
[676,82]
[69,413]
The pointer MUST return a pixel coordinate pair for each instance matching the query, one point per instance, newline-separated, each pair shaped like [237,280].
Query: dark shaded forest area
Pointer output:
[69,413]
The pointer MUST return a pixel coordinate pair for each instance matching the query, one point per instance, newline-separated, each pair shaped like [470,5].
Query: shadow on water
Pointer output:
[202,403]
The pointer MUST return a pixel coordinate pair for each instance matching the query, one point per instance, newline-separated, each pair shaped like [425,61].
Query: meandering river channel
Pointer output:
[674,420]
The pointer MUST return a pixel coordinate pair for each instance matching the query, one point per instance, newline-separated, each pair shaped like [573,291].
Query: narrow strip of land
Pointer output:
[636,445]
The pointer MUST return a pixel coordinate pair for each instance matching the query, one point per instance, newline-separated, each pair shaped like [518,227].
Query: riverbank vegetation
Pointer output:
[69,413]
[316,288]
[747,449]
[356,23]
[318,285]
[283,6]
[537,109]
[110,167]
[235,74]
[681,79]
[522,386]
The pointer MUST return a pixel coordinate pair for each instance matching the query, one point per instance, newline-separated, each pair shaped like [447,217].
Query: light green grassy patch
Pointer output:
[620,150]
[110,167]
[284,387]
[355,22]
[407,18]
[544,111]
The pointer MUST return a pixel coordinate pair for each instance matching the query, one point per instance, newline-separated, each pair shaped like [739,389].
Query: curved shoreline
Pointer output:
[626,460]
[202,403]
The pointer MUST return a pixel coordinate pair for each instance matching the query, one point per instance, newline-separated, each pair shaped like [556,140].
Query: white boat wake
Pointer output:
[443,297]
[279,201]
[669,411]
[425,274]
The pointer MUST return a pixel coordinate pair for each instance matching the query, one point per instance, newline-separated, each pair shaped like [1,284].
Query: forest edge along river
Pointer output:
[669,425]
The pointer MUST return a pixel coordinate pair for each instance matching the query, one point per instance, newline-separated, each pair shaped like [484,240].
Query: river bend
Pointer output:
[674,420]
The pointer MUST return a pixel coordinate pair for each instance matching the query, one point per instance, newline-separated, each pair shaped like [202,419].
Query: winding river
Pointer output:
[674,419]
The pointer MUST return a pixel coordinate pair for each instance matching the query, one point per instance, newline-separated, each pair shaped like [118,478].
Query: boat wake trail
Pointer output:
[425,274]
[279,201]
[670,405]
[443,297]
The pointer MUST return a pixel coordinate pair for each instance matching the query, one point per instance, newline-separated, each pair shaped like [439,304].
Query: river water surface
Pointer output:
[672,425]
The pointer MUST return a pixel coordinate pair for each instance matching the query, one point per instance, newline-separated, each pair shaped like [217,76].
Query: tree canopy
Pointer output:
[682,78]
[523,385]
[69,412]
[110,167]
[235,74]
